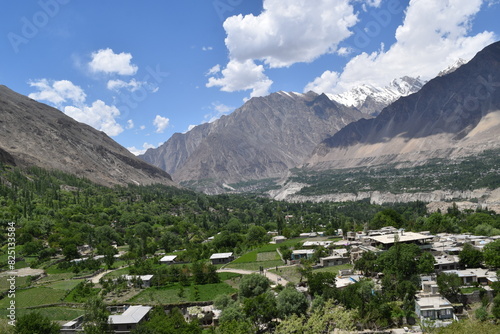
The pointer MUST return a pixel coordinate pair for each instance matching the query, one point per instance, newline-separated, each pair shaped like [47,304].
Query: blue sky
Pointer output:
[141,71]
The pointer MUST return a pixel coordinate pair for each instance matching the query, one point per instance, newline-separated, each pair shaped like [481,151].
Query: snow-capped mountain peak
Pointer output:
[371,100]
[452,67]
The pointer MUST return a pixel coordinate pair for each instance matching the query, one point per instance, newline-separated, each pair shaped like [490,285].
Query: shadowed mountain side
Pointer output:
[450,115]
[32,133]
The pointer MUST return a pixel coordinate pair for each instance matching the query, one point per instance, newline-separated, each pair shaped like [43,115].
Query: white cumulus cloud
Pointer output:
[286,32]
[118,84]
[242,76]
[99,115]
[130,124]
[214,70]
[138,151]
[57,92]
[434,34]
[160,123]
[105,60]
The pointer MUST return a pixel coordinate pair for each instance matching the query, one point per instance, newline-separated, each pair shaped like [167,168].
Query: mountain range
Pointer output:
[263,143]
[263,139]
[34,134]
[453,115]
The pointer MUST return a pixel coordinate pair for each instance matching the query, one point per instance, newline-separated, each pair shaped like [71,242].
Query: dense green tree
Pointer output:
[172,323]
[491,253]
[261,309]
[35,323]
[253,285]
[290,301]
[257,235]
[387,217]
[400,261]
[236,326]
[95,319]
[366,263]
[449,285]
[470,257]
[426,263]
[322,284]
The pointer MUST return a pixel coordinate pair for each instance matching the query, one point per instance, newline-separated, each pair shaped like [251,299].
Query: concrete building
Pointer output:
[446,262]
[333,260]
[300,254]
[278,239]
[434,307]
[388,240]
[473,275]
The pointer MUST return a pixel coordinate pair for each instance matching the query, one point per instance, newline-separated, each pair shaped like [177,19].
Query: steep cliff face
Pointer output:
[32,133]
[453,115]
[262,139]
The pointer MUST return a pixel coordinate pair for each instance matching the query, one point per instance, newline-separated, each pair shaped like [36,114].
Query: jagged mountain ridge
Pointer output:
[35,134]
[371,100]
[453,115]
[263,139]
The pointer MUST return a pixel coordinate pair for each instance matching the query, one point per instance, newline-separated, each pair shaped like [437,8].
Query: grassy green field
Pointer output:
[254,266]
[34,297]
[20,282]
[64,285]
[54,313]
[171,294]
[291,273]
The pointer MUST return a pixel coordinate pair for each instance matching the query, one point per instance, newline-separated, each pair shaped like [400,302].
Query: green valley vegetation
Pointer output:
[68,229]
[472,172]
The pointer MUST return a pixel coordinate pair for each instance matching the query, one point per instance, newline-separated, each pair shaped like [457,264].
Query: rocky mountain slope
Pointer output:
[32,133]
[371,100]
[453,115]
[263,139]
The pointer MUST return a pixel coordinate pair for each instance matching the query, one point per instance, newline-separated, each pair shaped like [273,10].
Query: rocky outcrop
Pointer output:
[34,134]
[481,197]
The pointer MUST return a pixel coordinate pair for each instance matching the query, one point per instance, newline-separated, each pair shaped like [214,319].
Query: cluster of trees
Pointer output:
[475,172]
[54,213]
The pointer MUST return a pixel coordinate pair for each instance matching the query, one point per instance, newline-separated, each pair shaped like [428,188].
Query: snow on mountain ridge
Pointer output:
[371,100]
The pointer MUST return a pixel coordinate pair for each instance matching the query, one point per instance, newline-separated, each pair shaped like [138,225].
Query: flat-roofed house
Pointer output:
[434,307]
[221,258]
[388,240]
[446,262]
[168,259]
[300,254]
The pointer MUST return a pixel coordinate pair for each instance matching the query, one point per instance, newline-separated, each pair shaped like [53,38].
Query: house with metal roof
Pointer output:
[127,321]
[221,258]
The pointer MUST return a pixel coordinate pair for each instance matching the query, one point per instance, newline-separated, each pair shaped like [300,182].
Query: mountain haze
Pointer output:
[263,139]
[34,134]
